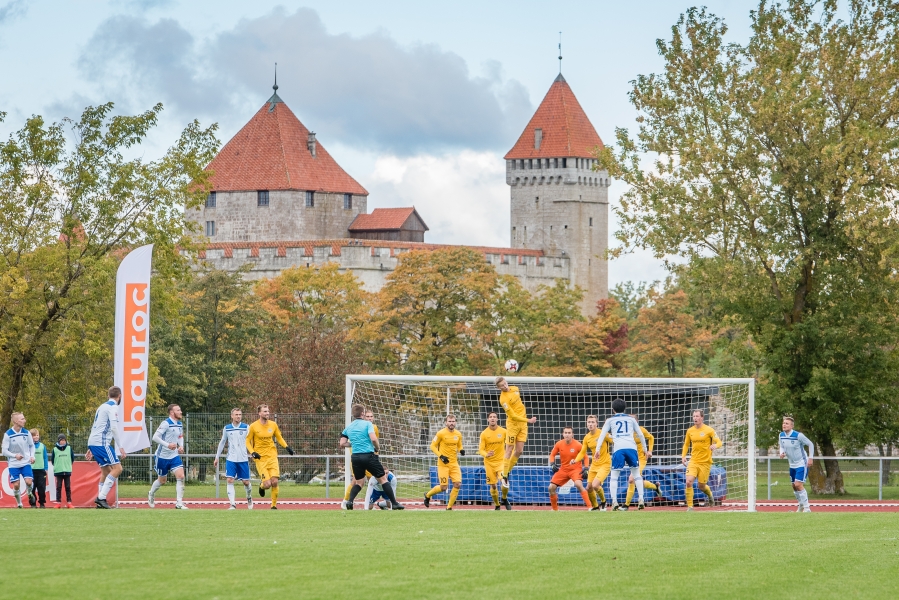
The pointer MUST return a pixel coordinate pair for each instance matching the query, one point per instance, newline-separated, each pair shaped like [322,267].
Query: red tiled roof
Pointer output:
[567,132]
[336,244]
[385,219]
[270,153]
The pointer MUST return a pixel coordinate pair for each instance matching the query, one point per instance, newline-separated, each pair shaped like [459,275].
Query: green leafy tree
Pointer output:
[776,180]
[71,203]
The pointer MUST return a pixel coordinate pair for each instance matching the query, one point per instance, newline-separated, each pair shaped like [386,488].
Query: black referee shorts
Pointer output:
[366,461]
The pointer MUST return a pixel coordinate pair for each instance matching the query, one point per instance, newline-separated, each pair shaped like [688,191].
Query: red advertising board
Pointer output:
[85,481]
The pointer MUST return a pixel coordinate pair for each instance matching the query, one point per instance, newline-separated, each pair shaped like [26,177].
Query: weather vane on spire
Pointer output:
[560,53]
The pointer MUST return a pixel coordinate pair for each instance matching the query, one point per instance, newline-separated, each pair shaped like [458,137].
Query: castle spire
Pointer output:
[275,99]
[560,54]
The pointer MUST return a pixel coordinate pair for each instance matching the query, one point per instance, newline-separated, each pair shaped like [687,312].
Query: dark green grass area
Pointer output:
[463,554]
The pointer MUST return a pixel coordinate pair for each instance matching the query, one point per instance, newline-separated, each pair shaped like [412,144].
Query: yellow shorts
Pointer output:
[451,472]
[494,470]
[700,472]
[599,471]
[267,467]
[516,432]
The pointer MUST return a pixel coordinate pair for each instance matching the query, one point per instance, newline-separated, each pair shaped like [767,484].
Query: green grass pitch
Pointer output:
[163,554]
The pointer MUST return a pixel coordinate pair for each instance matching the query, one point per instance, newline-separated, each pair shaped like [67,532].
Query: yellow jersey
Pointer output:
[261,438]
[650,441]
[492,439]
[512,404]
[589,446]
[701,440]
[447,443]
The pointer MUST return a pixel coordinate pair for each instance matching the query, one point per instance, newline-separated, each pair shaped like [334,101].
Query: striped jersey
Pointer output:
[236,438]
[793,445]
[106,426]
[169,432]
[18,442]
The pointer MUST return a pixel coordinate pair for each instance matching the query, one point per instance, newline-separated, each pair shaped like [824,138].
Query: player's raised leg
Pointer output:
[517,423]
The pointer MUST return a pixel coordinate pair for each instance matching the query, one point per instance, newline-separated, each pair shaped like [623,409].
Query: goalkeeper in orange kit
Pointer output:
[567,449]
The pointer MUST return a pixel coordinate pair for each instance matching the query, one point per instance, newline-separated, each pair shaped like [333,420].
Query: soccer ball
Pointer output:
[512,365]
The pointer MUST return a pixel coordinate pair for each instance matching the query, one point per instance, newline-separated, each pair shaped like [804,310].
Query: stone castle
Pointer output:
[280,200]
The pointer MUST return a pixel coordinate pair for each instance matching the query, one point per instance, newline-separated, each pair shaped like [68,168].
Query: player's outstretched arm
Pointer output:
[582,455]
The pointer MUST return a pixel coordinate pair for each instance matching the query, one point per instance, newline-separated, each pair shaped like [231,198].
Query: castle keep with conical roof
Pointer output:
[280,200]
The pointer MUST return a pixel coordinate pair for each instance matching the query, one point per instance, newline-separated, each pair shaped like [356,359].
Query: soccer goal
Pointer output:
[410,410]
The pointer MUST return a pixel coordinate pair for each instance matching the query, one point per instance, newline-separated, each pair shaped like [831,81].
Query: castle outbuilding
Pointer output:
[280,200]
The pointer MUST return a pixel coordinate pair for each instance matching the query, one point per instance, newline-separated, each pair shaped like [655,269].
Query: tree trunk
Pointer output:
[825,475]
[17,376]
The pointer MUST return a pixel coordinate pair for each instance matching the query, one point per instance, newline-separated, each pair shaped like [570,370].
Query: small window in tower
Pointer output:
[262,198]
[210,200]
[591,221]
[310,198]
[566,227]
[556,163]
[514,164]
[348,201]
[538,137]
[564,163]
[210,228]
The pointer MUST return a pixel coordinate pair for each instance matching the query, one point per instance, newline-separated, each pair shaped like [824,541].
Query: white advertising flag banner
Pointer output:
[132,345]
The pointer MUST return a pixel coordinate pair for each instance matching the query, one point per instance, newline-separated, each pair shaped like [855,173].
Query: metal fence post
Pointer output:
[880,479]
[186,448]
[768,459]
[327,477]
[150,457]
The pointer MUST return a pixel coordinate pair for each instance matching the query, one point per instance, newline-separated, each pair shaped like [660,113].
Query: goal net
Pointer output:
[409,411]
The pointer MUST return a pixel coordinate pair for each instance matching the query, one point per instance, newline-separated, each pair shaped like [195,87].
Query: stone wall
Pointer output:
[238,218]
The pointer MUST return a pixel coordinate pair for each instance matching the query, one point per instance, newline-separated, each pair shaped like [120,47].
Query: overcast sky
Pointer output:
[416,100]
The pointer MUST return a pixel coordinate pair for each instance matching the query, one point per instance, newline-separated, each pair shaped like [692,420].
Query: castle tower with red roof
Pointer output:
[560,201]
[274,181]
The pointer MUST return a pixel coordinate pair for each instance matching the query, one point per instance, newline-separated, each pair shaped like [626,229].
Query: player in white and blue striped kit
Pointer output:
[792,446]
[104,431]
[18,448]
[170,437]
[621,428]
[237,464]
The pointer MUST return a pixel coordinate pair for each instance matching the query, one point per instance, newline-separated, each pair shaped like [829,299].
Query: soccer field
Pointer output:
[433,554]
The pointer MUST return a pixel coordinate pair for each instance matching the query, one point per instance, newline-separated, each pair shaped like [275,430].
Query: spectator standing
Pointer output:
[39,468]
[62,459]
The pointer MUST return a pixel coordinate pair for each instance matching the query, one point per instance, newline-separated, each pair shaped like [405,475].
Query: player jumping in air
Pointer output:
[104,430]
[622,428]
[237,464]
[18,448]
[491,448]
[703,440]
[261,438]
[170,439]
[567,449]
[517,423]
[370,417]
[650,442]
[360,436]
[793,445]
[447,445]
[601,465]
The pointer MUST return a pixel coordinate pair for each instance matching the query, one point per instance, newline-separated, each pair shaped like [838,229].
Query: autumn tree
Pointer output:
[775,180]
[70,204]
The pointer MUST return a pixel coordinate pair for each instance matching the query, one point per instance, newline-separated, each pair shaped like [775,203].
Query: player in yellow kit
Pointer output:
[370,417]
[601,465]
[703,440]
[491,447]
[261,445]
[517,422]
[641,457]
[447,444]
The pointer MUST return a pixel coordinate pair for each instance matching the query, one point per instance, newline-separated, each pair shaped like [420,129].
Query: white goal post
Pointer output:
[409,410]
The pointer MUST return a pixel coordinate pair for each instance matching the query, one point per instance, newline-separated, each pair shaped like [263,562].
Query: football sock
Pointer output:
[798,497]
[29,488]
[495,495]
[554,500]
[512,462]
[354,491]
[231,492]
[433,491]
[638,481]
[613,485]
[803,497]
[18,494]
[586,498]
[648,485]
[179,490]
[706,490]
[346,495]
[107,485]
[601,493]
[689,492]
[274,495]
[388,491]
[156,485]
[248,489]
[591,493]
[505,466]
[630,493]
[452,498]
